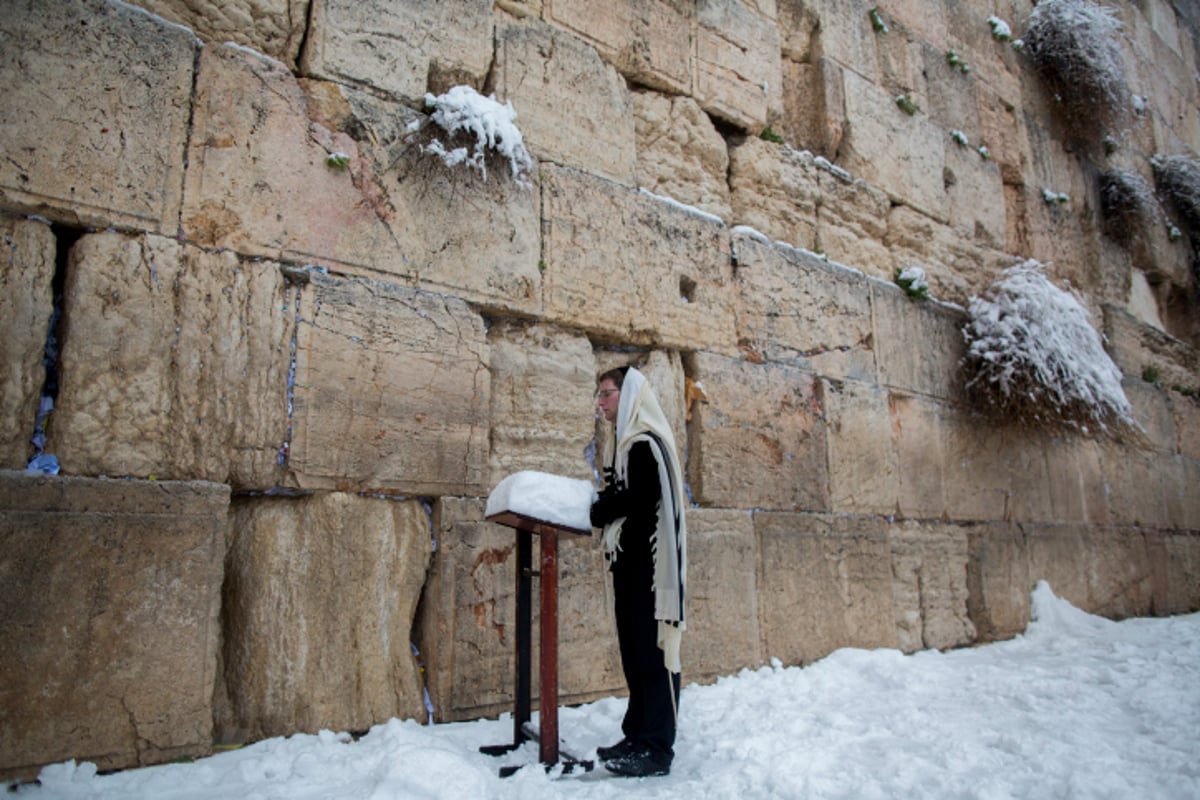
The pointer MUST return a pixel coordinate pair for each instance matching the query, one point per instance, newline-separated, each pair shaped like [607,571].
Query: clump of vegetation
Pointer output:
[1151,376]
[475,132]
[959,137]
[984,153]
[912,280]
[338,161]
[770,135]
[1001,31]
[1055,198]
[1127,205]
[906,104]
[877,21]
[1033,357]
[1073,44]
[1178,179]
[956,61]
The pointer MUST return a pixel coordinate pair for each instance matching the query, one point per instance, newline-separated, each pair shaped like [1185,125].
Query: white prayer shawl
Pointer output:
[640,418]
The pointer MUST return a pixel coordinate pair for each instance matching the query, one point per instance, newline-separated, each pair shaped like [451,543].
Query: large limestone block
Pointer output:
[863,463]
[648,42]
[273,27]
[917,425]
[468,626]
[852,222]
[975,204]
[403,49]
[542,414]
[723,634]
[760,440]
[174,363]
[929,573]
[391,390]
[918,345]
[1183,573]
[1077,480]
[998,580]
[26,305]
[845,35]
[956,268]
[993,471]
[900,154]
[680,154]
[738,77]
[825,583]
[1136,347]
[814,106]
[1185,411]
[573,109]
[918,19]
[318,608]
[800,310]
[477,236]
[111,595]
[1148,489]
[632,268]
[95,112]
[776,191]
[1152,413]
[1105,571]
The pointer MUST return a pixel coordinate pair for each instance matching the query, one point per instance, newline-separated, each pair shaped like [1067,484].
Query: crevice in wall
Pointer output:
[64,239]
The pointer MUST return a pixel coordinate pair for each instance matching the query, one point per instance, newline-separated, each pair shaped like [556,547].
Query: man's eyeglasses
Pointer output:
[607,393]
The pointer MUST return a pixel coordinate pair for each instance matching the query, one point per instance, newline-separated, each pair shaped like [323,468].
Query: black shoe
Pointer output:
[639,763]
[618,750]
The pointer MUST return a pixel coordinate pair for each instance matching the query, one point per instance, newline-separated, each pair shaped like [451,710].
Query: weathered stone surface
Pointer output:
[257,181]
[632,268]
[1152,413]
[929,586]
[918,345]
[998,580]
[95,113]
[26,305]
[391,390]
[1185,412]
[799,23]
[648,42]
[955,268]
[723,634]
[318,607]
[468,626]
[1103,571]
[737,70]
[1136,347]
[814,106]
[404,49]
[863,464]
[1149,489]
[174,363]
[273,27]
[993,472]
[900,154]
[680,154]
[543,381]
[845,35]
[852,222]
[826,583]
[917,426]
[111,595]
[775,190]
[799,310]
[974,196]
[572,108]
[1078,486]
[1182,567]
[759,441]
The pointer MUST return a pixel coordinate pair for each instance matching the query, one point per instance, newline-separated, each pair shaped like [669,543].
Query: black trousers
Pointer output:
[650,719]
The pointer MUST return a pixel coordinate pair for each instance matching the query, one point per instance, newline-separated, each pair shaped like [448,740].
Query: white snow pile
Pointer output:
[566,502]
[462,110]
[912,280]
[1077,706]
[1032,353]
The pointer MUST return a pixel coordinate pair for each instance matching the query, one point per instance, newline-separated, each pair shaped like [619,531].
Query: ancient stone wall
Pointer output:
[284,382]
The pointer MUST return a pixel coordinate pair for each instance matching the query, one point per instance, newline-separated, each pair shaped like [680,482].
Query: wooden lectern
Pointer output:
[547,573]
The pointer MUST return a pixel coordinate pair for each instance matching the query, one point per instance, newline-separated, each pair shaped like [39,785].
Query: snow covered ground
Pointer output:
[1077,707]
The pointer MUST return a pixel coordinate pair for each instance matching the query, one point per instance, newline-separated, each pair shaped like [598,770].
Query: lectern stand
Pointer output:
[547,573]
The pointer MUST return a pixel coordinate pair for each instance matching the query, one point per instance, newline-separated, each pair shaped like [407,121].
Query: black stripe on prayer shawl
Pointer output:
[662,449]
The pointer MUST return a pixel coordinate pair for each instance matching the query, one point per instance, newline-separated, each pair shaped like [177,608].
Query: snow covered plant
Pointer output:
[1032,355]
[1178,179]
[912,280]
[1001,31]
[1075,47]
[477,128]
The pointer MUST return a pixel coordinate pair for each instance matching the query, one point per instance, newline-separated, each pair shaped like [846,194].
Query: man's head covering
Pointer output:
[641,418]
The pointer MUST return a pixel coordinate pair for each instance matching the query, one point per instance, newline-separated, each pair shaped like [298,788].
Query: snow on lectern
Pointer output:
[549,506]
